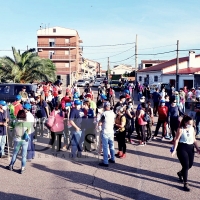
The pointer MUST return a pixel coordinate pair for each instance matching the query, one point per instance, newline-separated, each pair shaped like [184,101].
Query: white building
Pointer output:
[189,70]
[121,69]
[149,63]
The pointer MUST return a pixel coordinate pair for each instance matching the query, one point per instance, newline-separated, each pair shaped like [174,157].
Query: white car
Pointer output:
[81,83]
[97,83]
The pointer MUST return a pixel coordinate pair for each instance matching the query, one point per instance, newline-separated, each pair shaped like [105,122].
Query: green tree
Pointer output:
[26,67]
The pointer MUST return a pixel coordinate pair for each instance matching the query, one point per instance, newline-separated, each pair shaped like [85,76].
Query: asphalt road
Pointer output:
[148,172]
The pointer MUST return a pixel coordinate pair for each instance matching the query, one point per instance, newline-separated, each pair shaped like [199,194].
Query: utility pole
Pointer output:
[108,71]
[136,64]
[70,68]
[177,67]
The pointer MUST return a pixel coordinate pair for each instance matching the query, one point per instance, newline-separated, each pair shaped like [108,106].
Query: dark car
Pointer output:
[8,91]
[114,85]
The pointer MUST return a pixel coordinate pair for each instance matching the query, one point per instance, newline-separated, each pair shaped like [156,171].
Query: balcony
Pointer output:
[62,57]
[53,45]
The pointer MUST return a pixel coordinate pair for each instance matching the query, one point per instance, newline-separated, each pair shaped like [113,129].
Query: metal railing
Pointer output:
[63,57]
[73,44]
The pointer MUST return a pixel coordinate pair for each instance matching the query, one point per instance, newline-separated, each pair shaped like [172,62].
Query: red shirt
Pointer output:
[162,112]
[65,100]
[17,107]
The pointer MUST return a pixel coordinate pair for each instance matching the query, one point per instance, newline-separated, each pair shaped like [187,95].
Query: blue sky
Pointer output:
[158,23]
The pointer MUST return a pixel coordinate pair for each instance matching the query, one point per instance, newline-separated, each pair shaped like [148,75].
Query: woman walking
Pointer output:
[142,124]
[21,131]
[58,127]
[184,145]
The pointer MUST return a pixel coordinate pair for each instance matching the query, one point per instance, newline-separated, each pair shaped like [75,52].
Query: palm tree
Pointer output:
[26,67]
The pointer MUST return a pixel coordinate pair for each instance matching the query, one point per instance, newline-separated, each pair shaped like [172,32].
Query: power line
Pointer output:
[110,45]
[115,54]
[123,60]
[153,54]
[158,47]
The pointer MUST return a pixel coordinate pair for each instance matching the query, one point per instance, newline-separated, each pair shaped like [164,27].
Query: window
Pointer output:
[140,78]
[54,30]
[52,42]
[66,52]
[4,89]
[66,40]
[51,53]
[155,78]
[18,88]
[67,65]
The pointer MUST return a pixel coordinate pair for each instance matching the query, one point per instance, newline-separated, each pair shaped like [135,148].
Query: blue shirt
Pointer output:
[174,112]
[42,112]
[76,117]
[156,97]
[2,119]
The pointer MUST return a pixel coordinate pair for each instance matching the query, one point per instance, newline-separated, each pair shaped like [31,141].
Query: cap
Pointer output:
[122,97]
[18,97]
[68,104]
[2,103]
[77,102]
[75,96]
[106,104]
[27,106]
[24,87]
[88,95]
[104,97]
[119,108]
[126,91]
[162,101]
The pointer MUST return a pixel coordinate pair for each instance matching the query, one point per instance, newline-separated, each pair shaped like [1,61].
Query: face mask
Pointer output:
[4,107]
[174,104]
[188,126]
[130,106]
[162,104]
[78,107]
[123,100]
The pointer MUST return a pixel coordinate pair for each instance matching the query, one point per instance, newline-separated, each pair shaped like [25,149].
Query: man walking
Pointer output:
[107,122]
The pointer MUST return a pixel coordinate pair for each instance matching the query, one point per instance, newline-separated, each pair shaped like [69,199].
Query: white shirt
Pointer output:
[108,123]
[30,118]
[197,93]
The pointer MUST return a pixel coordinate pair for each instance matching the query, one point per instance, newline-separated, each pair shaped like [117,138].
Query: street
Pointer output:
[148,172]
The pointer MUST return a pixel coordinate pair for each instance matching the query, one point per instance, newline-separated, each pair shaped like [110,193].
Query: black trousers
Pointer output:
[137,128]
[121,141]
[142,133]
[53,140]
[155,108]
[149,131]
[185,153]
[174,124]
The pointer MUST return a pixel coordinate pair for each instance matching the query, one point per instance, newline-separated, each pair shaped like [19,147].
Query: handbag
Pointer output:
[50,121]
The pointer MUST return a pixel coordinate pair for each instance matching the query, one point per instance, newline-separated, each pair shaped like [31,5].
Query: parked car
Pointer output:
[114,85]
[8,91]
[97,83]
[82,83]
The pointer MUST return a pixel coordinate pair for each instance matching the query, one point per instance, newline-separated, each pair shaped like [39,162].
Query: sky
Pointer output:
[158,24]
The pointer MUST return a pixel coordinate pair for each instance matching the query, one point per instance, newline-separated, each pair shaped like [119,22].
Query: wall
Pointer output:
[185,77]
[121,71]
[166,78]
[151,76]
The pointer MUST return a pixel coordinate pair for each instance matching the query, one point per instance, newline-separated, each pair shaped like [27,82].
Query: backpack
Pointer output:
[128,122]
[110,92]
[147,118]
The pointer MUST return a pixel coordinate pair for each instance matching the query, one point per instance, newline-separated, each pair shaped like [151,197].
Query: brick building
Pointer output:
[62,46]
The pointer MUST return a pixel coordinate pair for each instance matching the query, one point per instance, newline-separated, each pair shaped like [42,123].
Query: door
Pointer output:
[172,82]
[188,83]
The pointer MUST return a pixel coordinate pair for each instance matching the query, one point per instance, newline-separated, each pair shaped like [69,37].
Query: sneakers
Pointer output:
[167,137]
[111,161]
[141,144]
[123,156]
[103,165]
[180,176]
[162,138]
[22,170]
[10,167]
[186,187]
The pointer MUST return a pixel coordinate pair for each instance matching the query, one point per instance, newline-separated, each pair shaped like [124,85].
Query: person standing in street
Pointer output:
[107,122]
[156,99]
[30,118]
[75,119]
[184,145]
[162,119]
[3,127]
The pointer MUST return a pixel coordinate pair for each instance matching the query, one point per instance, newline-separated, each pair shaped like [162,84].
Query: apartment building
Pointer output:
[62,46]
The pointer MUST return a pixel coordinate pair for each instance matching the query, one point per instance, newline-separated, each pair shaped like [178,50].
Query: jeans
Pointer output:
[17,145]
[139,95]
[108,140]
[76,142]
[198,125]
[31,147]
[2,144]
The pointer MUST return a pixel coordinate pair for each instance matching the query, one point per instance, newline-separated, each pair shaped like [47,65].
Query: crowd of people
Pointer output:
[90,124]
